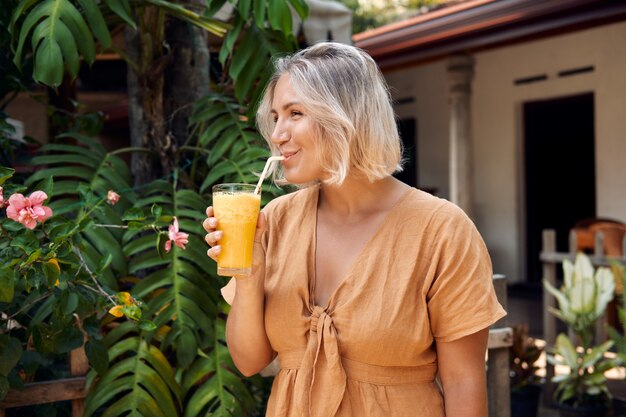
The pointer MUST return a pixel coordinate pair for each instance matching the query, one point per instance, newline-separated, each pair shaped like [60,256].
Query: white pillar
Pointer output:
[460,73]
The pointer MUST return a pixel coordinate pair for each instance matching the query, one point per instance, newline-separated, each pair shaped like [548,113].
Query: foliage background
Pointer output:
[168,356]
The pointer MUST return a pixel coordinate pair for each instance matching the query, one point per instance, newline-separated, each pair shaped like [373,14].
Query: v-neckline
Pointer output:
[313,259]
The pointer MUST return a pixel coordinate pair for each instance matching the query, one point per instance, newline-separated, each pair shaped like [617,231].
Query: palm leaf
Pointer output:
[211,381]
[235,148]
[177,292]
[140,380]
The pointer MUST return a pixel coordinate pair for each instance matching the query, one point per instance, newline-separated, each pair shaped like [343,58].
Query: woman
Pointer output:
[363,287]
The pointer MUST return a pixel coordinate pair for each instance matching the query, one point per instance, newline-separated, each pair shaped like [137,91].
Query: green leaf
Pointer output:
[47,186]
[5,174]
[52,272]
[162,238]
[134,214]
[243,8]
[122,9]
[279,15]
[69,302]
[49,64]
[4,387]
[186,347]
[147,325]
[596,354]
[156,211]
[7,285]
[10,352]
[96,22]
[104,262]
[259,13]
[566,349]
[97,355]
[67,340]
[59,33]
[301,7]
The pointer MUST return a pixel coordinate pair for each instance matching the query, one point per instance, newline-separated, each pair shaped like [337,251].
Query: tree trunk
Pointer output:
[142,166]
[170,75]
[187,79]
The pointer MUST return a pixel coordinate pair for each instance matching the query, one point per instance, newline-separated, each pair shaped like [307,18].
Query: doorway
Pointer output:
[407,128]
[559,166]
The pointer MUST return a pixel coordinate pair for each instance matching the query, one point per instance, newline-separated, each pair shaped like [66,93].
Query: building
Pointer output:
[516,111]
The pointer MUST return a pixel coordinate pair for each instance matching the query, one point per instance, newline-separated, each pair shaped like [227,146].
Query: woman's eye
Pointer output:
[295,113]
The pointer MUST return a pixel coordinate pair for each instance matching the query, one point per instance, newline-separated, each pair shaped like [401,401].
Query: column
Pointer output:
[460,73]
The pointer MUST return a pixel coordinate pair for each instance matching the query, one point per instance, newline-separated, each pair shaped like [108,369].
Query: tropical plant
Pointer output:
[176,362]
[582,301]
[619,335]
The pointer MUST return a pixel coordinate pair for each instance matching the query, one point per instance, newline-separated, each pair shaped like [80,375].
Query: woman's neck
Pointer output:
[358,197]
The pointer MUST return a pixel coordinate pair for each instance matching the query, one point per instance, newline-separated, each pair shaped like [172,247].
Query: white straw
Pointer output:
[271,159]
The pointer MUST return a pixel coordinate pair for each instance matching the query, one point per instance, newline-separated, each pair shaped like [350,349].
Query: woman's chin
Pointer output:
[296,179]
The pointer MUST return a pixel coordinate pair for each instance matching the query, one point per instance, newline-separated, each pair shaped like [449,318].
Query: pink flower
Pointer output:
[112,197]
[1,198]
[28,210]
[180,239]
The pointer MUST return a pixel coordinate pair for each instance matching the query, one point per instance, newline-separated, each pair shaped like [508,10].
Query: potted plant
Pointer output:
[525,383]
[582,300]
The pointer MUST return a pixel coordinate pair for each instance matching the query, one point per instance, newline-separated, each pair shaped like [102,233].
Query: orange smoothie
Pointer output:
[237,212]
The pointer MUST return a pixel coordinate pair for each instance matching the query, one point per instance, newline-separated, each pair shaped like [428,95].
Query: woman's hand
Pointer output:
[213,236]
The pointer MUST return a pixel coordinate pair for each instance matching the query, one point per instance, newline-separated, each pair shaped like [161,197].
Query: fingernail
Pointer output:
[212,223]
[218,234]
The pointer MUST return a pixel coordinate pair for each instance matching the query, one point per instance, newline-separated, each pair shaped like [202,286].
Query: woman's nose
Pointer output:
[279,135]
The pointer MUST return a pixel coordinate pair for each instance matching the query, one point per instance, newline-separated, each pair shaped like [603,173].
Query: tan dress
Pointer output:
[425,276]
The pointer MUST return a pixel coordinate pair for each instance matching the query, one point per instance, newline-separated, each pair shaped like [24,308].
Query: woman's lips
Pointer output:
[289,155]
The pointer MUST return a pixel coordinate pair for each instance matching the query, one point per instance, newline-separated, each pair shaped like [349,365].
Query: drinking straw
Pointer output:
[271,159]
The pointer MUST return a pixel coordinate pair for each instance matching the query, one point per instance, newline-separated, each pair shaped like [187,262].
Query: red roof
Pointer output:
[481,24]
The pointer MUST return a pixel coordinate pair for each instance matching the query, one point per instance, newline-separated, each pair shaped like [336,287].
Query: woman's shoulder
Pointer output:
[435,210]
[424,201]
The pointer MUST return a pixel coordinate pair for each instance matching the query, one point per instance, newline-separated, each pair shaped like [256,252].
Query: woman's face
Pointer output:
[294,135]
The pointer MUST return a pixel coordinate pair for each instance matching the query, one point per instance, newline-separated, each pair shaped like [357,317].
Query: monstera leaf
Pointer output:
[61,32]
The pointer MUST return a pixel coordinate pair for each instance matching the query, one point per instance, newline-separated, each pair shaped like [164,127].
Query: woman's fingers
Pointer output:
[213,237]
[209,224]
[213,252]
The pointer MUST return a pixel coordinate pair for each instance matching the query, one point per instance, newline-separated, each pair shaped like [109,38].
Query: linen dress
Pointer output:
[425,276]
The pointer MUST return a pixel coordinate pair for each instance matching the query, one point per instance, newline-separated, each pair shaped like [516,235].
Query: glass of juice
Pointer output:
[236,208]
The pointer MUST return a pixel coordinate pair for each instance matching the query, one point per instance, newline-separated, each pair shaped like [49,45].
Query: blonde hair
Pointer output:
[344,92]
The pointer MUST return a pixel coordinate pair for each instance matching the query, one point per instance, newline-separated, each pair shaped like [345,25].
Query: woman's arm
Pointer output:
[463,376]
[245,327]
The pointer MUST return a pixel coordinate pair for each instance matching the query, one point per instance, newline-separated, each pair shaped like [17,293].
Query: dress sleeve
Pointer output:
[461,298]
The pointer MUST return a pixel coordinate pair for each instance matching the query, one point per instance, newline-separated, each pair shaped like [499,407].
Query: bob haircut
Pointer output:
[344,92]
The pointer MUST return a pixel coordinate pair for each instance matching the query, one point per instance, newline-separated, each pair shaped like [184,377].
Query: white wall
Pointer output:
[497,131]
[427,86]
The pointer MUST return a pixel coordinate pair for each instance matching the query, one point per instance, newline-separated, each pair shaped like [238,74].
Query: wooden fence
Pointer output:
[500,341]
[53,391]
[551,260]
